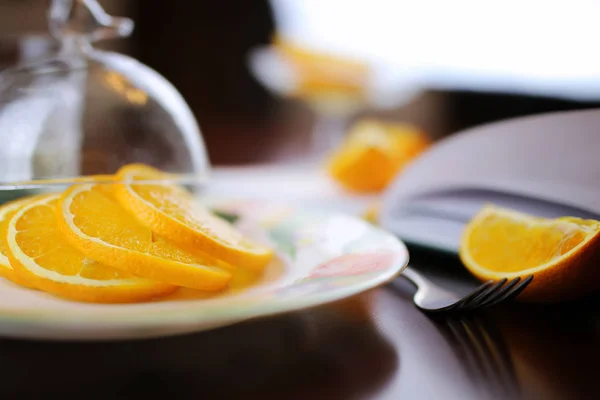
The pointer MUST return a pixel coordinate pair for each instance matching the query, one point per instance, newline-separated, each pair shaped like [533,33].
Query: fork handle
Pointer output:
[416,278]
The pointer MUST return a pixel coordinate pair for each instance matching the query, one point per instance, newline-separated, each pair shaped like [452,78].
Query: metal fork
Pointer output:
[432,298]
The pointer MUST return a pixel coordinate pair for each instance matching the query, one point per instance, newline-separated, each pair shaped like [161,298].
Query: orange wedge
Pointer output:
[171,211]
[6,213]
[40,254]
[562,254]
[374,153]
[95,223]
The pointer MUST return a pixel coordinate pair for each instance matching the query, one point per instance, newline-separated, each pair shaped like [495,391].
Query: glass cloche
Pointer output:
[83,111]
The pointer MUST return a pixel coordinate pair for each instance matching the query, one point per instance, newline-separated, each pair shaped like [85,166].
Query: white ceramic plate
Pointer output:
[322,257]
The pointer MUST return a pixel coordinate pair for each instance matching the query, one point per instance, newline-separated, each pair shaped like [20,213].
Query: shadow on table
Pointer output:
[524,351]
[555,348]
[519,350]
[477,344]
[331,352]
[482,350]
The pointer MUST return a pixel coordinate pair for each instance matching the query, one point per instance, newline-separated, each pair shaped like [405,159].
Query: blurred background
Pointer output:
[442,66]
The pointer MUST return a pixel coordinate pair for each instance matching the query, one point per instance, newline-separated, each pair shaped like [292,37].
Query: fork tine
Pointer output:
[518,289]
[474,302]
[498,294]
[465,300]
[514,292]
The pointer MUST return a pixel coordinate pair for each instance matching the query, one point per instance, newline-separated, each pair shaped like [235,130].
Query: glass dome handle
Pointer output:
[85,19]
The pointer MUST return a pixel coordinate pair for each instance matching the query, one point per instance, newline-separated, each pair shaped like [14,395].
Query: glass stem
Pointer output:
[328,133]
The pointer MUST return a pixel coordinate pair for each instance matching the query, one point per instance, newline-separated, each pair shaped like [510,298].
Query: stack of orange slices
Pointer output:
[134,236]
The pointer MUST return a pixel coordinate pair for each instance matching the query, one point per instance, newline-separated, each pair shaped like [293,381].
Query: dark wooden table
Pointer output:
[375,345]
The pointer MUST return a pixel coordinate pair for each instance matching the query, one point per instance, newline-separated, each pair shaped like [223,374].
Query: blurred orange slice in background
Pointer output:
[374,153]
[323,74]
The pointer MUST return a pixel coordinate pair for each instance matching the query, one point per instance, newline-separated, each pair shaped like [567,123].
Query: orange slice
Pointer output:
[174,213]
[6,213]
[41,254]
[374,153]
[562,254]
[95,223]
